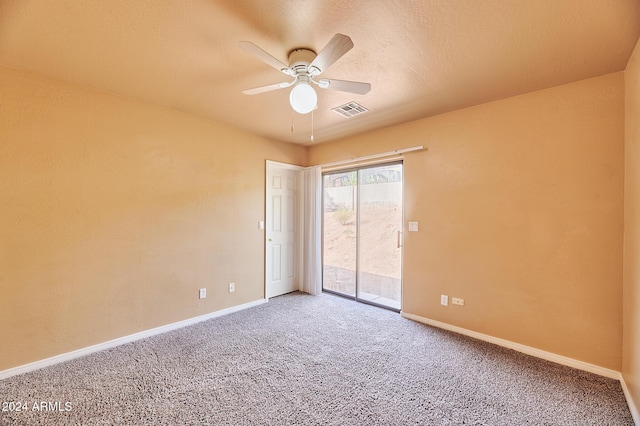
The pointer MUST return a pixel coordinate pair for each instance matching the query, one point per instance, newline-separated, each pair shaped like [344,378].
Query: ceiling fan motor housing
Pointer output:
[299,60]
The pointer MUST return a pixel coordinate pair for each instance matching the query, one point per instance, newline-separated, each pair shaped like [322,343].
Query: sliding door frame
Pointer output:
[357,169]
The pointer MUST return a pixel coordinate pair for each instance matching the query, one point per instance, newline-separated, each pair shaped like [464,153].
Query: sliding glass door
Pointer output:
[339,231]
[362,254]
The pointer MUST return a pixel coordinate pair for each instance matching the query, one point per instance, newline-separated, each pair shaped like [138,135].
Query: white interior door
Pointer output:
[283,231]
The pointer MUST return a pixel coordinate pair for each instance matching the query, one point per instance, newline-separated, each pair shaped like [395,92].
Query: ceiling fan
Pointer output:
[304,67]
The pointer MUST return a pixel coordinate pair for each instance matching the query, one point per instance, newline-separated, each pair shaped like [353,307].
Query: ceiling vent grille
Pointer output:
[350,110]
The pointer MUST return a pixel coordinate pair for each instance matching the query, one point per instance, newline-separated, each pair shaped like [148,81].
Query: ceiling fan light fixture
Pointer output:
[303,98]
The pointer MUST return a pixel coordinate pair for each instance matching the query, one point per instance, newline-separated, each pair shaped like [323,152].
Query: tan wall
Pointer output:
[631,289]
[520,206]
[113,213]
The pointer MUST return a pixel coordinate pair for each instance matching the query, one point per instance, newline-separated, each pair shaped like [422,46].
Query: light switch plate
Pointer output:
[413,226]
[444,300]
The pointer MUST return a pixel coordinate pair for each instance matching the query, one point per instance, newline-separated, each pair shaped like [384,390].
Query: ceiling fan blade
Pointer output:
[337,46]
[268,88]
[263,56]
[345,86]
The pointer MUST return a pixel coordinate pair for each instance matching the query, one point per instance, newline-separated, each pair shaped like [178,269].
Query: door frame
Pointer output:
[299,217]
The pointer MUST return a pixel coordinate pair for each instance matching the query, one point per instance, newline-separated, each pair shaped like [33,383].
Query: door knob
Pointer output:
[270,239]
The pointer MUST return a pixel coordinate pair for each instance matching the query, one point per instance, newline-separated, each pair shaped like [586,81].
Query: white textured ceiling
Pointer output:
[422,57]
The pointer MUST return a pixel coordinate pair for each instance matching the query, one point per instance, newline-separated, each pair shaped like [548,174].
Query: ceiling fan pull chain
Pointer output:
[311,125]
[292,126]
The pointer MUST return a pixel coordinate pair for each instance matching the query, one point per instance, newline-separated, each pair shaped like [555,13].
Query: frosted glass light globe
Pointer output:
[303,98]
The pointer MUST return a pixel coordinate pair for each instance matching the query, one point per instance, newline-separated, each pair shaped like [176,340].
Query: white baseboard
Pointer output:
[122,340]
[549,356]
[635,413]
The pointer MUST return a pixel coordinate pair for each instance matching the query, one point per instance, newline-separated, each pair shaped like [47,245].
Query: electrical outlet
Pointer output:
[457,301]
[444,300]
[232,287]
[203,293]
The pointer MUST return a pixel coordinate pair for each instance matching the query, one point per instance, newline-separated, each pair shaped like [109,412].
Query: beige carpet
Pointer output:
[303,360]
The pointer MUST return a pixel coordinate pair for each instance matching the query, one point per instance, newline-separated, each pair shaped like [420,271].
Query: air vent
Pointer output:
[350,110]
